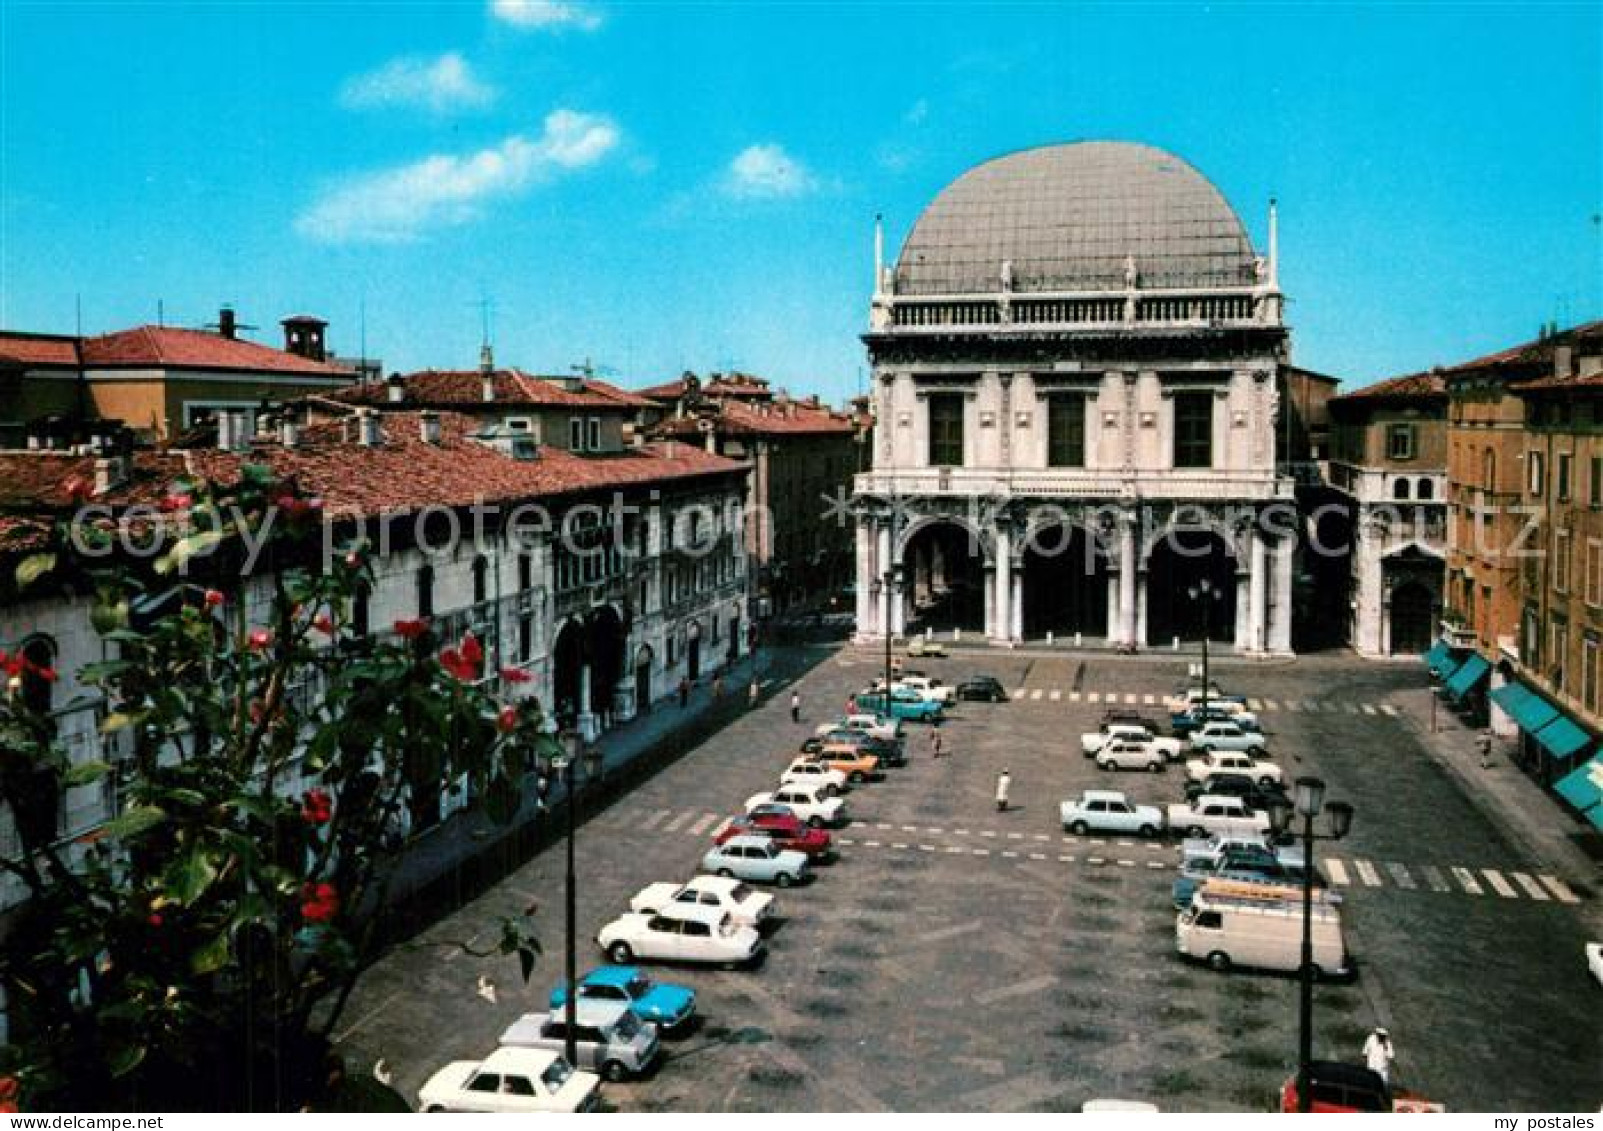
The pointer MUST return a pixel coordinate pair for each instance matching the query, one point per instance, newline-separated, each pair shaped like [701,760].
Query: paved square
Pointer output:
[960,958]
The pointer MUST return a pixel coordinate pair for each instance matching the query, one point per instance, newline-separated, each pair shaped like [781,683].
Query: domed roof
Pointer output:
[1067,217]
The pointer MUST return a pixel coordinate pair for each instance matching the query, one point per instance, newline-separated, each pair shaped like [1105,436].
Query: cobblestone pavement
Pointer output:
[960,958]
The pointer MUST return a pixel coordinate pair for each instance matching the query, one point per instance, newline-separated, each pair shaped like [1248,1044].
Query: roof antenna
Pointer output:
[1274,243]
[361,325]
[879,252]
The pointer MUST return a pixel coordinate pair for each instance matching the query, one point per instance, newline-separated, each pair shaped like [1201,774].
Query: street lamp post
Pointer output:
[1308,803]
[1205,592]
[573,749]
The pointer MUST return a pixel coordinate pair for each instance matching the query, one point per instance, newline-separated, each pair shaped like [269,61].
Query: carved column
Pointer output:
[1280,615]
[1128,565]
[1257,590]
[1004,581]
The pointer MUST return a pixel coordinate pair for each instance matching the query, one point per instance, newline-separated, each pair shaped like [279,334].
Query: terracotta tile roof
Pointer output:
[1410,387]
[462,389]
[197,349]
[740,419]
[1529,358]
[38,349]
[737,385]
[667,391]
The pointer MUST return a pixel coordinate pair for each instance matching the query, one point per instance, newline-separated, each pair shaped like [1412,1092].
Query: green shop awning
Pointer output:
[1463,681]
[1584,789]
[1440,659]
[1562,738]
[1529,710]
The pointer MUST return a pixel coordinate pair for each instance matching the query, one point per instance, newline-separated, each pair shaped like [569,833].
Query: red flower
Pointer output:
[472,650]
[46,674]
[317,807]
[260,638]
[77,488]
[324,624]
[515,675]
[175,502]
[353,559]
[9,1091]
[507,720]
[464,660]
[214,597]
[411,629]
[155,919]
[319,902]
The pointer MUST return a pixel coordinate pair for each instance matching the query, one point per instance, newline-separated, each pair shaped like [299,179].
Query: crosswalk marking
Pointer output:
[1388,709]
[1369,708]
[1074,697]
[1560,889]
[1337,870]
[1271,705]
[1501,886]
[844,840]
[1533,889]
[701,826]
[1434,877]
[1255,704]
[1400,874]
[1290,705]
[1057,694]
[1093,697]
[1019,694]
[1148,700]
[1129,700]
[1367,873]
[655,819]
[1466,880]
[1036,694]
[674,825]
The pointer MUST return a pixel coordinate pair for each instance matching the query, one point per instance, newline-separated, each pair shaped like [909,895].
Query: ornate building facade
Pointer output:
[1075,363]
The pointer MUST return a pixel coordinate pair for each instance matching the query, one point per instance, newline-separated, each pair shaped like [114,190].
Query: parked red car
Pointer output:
[1351,1089]
[790,831]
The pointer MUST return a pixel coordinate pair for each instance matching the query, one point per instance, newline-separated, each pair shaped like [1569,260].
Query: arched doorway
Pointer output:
[1412,612]
[1181,558]
[604,638]
[643,659]
[1065,582]
[945,579]
[567,662]
[693,652]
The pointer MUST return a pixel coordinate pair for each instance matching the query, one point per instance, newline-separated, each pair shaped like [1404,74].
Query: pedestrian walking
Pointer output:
[936,744]
[717,688]
[851,704]
[1379,1053]
[684,692]
[752,692]
[1004,784]
[795,707]
[1483,743]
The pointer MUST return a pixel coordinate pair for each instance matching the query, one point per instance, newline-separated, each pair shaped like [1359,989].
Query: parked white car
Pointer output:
[875,726]
[1093,741]
[1192,697]
[743,905]
[510,1080]
[680,933]
[758,859]
[1131,754]
[1218,735]
[1219,762]
[1594,960]
[929,688]
[808,802]
[805,772]
[1211,814]
[1107,811]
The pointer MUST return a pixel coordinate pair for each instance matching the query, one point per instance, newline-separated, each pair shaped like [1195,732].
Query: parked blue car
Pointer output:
[904,705]
[668,1006]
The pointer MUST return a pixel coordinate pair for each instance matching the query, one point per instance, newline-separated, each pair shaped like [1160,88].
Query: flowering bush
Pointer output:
[200,951]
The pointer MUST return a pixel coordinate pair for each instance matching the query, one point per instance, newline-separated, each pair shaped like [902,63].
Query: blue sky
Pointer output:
[668,186]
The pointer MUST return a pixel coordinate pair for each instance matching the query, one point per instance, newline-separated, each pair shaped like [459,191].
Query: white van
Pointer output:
[1259,926]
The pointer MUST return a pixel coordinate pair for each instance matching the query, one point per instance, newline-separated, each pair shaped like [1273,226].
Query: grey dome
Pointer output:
[1066,217]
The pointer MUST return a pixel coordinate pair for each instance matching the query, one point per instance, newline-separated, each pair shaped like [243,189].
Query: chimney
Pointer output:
[109,473]
[226,326]
[395,387]
[304,337]
[428,427]
[289,433]
[1563,361]
[367,428]
[486,374]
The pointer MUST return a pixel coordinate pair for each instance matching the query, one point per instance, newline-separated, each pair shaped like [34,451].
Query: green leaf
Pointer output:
[33,567]
[118,720]
[189,877]
[212,957]
[125,1058]
[256,807]
[85,773]
[196,545]
[103,670]
[132,822]
[108,616]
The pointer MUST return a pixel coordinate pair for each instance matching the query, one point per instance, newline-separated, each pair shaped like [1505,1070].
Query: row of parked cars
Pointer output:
[719,917]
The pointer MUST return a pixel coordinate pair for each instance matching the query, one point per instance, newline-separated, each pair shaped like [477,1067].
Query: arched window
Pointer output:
[1399,488]
[40,654]
[425,590]
[481,569]
[1426,490]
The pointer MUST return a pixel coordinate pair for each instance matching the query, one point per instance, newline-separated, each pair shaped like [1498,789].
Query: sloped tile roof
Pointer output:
[738,418]
[1409,387]
[463,389]
[179,348]
[38,349]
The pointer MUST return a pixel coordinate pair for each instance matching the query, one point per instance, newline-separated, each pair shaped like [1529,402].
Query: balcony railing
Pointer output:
[1200,486]
[1080,310]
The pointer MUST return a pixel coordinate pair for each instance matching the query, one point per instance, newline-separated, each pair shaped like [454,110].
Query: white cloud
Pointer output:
[438,85]
[546,15]
[765,172]
[397,205]
[917,112]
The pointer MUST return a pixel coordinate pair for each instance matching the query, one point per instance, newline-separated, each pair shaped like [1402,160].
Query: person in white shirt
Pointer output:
[1379,1054]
